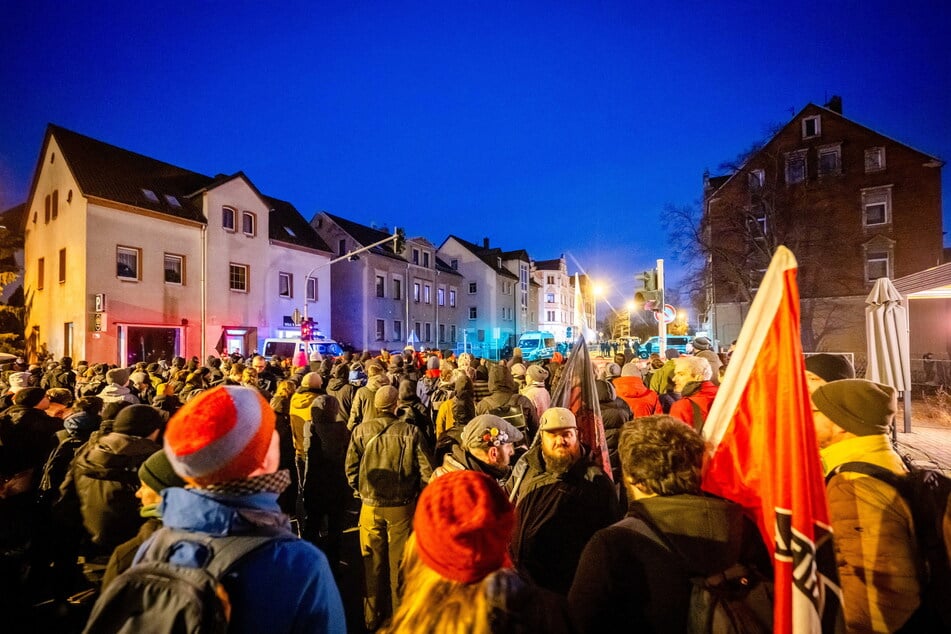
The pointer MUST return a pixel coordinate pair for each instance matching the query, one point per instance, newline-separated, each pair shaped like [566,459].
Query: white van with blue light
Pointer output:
[289,348]
[536,344]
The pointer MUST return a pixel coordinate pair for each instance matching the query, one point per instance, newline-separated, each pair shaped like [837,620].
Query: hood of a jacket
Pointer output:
[704,388]
[215,514]
[630,386]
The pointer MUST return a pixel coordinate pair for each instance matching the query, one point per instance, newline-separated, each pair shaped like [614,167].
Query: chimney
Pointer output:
[485,243]
[835,104]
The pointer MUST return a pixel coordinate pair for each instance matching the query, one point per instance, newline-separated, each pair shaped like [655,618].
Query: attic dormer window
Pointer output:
[171,200]
[150,195]
[290,232]
[227,218]
[811,127]
[498,262]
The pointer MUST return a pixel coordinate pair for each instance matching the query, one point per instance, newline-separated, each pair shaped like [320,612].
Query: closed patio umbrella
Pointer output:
[886,332]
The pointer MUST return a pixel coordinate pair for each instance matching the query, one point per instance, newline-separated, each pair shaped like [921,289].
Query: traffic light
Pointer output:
[568,332]
[399,241]
[307,329]
[649,278]
[650,297]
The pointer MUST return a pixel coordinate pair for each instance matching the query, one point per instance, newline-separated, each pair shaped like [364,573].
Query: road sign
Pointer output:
[667,316]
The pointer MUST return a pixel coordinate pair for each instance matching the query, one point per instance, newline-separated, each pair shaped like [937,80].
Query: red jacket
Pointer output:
[642,400]
[702,395]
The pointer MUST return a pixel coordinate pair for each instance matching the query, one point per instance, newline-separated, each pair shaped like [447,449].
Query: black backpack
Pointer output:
[928,493]
[512,412]
[738,600]
[155,595]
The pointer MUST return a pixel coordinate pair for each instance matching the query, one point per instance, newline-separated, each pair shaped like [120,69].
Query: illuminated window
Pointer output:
[238,277]
[285,285]
[127,262]
[174,269]
[227,218]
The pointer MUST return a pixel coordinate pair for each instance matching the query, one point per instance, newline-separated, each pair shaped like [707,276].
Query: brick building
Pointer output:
[851,203]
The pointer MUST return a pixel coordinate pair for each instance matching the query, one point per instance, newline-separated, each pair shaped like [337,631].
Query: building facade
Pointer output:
[129,259]
[851,203]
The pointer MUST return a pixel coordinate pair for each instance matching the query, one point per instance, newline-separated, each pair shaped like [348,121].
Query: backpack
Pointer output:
[512,412]
[156,595]
[738,600]
[928,493]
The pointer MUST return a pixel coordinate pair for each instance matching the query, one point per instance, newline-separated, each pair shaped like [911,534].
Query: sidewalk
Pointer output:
[928,443]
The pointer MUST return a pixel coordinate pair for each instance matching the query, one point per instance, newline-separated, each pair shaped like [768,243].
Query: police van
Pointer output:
[289,348]
[537,344]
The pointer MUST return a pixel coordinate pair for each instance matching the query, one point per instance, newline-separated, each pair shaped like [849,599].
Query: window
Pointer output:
[877,206]
[150,195]
[174,269]
[551,279]
[285,285]
[417,330]
[473,287]
[227,218]
[796,167]
[47,207]
[473,312]
[550,298]
[397,330]
[342,247]
[248,223]
[757,223]
[874,159]
[829,160]
[426,259]
[811,127]
[454,264]
[427,295]
[756,179]
[127,263]
[550,314]
[380,286]
[40,273]
[55,204]
[62,266]
[452,298]
[415,256]
[756,278]
[380,330]
[238,277]
[172,201]
[416,291]
[876,265]
[428,332]
[498,263]
[397,288]
[441,296]
[452,332]
[523,283]
[312,289]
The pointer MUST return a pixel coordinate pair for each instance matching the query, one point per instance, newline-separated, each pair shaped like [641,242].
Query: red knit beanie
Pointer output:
[221,434]
[463,526]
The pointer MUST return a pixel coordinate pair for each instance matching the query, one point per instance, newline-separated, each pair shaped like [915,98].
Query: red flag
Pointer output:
[765,456]
[577,391]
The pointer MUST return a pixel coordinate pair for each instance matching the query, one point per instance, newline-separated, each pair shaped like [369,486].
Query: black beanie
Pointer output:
[830,367]
[29,397]
[858,406]
[157,473]
[137,420]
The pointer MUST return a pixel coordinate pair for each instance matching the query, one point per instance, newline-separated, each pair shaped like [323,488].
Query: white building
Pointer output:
[128,258]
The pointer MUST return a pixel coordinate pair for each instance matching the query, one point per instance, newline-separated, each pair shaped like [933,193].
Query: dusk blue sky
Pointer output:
[550,126]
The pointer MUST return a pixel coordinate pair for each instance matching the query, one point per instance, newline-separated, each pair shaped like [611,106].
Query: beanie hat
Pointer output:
[157,473]
[830,367]
[314,356]
[432,363]
[118,376]
[137,420]
[861,407]
[139,377]
[671,353]
[518,369]
[536,373]
[29,396]
[630,369]
[221,434]
[385,398]
[463,524]
[374,368]
[19,381]
[312,380]
[702,343]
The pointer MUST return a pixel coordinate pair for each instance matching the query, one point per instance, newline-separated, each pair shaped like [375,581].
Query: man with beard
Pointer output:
[561,499]
[486,444]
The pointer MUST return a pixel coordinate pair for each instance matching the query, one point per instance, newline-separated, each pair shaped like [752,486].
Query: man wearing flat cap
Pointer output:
[561,499]
[387,467]
[872,524]
[487,444]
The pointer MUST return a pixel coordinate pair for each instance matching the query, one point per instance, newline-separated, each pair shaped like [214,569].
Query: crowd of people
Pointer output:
[481,509]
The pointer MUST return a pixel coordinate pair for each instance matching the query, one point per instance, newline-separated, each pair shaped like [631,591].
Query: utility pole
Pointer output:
[662,322]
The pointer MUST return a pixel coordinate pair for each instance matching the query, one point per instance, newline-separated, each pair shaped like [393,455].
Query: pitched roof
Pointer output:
[13,218]
[548,265]
[365,235]
[112,173]
[442,267]
[489,256]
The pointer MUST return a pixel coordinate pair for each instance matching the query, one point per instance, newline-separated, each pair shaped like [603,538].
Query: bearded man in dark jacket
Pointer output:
[635,575]
[561,499]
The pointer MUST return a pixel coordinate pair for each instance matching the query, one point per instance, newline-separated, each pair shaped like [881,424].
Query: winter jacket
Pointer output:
[326,439]
[614,413]
[386,462]
[874,538]
[642,400]
[284,586]
[662,380]
[339,387]
[700,393]
[556,515]
[504,395]
[113,393]
[301,402]
[104,477]
[539,396]
[363,408]
[626,581]
[458,459]
[27,437]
